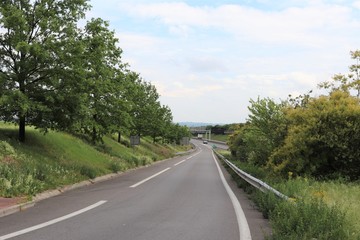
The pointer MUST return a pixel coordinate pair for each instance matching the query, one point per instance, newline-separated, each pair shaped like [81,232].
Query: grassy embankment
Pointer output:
[328,210]
[57,159]
[221,138]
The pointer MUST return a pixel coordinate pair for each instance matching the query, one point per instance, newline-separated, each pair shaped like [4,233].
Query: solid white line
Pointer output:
[242,222]
[42,225]
[147,179]
[180,162]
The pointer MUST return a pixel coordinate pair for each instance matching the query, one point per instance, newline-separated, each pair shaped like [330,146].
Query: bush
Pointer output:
[117,166]
[323,139]
[145,160]
[88,171]
[6,150]
[308,214]
[308,220]
[266,202]
[16,183]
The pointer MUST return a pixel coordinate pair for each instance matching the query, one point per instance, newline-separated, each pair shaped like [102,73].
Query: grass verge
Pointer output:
[57,159]
[328,210]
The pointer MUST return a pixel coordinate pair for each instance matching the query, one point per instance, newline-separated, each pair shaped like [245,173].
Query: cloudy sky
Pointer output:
[207,59]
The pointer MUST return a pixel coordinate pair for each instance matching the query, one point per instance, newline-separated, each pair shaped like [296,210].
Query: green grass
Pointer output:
[56,159]
[316,209]
[221,138]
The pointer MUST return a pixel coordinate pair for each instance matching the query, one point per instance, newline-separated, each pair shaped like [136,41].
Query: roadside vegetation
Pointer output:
[56,75]
[221,138]
[68,102]
[315,209]
[57,159]
[308,148]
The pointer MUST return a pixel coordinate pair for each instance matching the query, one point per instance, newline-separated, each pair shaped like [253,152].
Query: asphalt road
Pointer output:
[181,198]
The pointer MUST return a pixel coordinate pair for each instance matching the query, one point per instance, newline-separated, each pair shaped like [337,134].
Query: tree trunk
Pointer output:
[22,116]
[119,137]
[94,132]
[94,135]
[22,123]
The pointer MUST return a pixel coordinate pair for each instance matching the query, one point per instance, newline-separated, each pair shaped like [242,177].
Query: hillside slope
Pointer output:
[57,159]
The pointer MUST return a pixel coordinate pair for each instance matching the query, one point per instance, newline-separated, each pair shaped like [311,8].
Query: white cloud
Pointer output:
[222,56]
[138,42]
[356,4]
[207,64]
[303,26]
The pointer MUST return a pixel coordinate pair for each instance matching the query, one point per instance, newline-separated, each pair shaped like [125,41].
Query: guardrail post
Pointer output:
[262,186]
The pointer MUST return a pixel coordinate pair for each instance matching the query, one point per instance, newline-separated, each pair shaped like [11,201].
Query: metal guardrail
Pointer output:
[262,186]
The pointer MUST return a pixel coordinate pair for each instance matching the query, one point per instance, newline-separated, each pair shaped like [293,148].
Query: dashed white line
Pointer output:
[180,162]
[186,159]
[157,174]
[149,178]
[43,225]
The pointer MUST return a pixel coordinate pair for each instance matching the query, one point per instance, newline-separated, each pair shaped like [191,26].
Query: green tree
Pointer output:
[348,82]
[175,133]
[103,80]
[122,120]
[160,119]
[323,138]
[37,52]
[265,131]
[144,104]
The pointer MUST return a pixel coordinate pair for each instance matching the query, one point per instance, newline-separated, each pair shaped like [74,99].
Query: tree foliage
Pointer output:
[56,75]
[264,132]
[36,48]
[323,139]
[346,82]
[317,136]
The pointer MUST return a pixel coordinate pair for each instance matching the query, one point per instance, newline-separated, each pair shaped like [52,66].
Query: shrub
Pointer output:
[117,166]
[323,139]
[6,150]
[15,183]
[308,220]
[88,171]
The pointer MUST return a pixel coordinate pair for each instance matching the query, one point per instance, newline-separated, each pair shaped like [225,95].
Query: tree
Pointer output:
[347,82]
[37,40]
[159,121]
[264,132]
[103,80]
[144,104]
[122,120]
[323,139]
[174,133]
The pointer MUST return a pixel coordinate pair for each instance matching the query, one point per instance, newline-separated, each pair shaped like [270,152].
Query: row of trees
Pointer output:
[57,75]
[317,136]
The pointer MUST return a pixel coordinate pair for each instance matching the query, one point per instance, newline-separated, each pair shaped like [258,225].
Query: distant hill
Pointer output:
[195,124]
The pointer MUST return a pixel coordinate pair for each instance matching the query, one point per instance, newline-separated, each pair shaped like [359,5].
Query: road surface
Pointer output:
[181,198]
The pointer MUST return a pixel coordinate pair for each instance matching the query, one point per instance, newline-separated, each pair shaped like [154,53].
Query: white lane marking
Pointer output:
[147,179]
[197,153]
[242,222]
[180,162]
[186,159]
[45,224]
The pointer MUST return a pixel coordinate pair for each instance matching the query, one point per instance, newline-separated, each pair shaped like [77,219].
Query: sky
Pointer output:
[207,59]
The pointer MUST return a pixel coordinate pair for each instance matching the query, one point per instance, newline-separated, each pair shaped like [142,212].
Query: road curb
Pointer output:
[52,193]
[16,208]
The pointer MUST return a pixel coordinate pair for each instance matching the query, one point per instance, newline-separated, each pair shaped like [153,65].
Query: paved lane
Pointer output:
[181,198]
